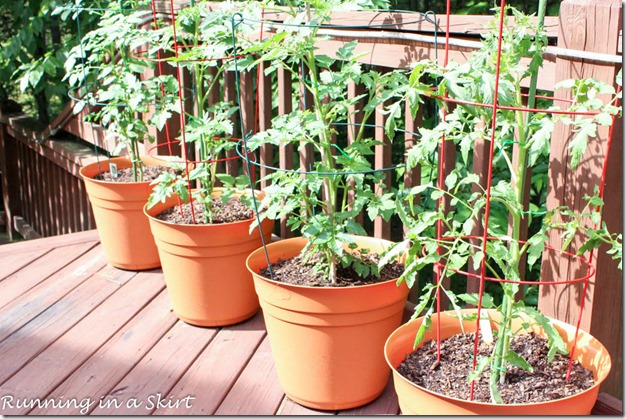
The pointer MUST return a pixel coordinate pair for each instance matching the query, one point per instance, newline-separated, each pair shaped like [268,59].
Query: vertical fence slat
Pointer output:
[480,166]
[32,196]
[248,114]
[306,102]
[22,174]
[45,192]
[382,159]
[54,200]
[67,199]
[41,165]
[230,95]
[523,221]
[355,118]
[9,166]
[266,153]
[412,177]
[285,151]
[449,148]
[590,26]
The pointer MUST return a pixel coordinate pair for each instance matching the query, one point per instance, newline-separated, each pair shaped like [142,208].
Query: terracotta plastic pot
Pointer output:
[118,210]
[415,400]
[327,343]
[205,267]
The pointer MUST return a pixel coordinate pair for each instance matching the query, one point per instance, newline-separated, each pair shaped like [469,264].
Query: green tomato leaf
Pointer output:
[517,360]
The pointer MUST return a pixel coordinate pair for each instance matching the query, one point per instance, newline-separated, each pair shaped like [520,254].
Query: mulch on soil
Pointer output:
[126,175]
[294,271]
[229,212]
[547,381]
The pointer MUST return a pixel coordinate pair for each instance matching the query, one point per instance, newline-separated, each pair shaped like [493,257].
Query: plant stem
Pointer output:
[326,157]
[519,180]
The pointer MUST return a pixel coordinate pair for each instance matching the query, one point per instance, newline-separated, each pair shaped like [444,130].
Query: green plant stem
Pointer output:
[504,337]
[326,156]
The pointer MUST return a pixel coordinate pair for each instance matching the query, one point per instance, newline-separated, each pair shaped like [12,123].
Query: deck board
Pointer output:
[257,390]
[63,356]
[35,301]
[12,265]
[386,404]
[214,372]
[78,336]
[290,408]
[34,337]
[23,280]
[111,362]
[157,372]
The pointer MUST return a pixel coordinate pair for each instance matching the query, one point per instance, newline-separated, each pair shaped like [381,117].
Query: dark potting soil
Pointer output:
[546,382]
[231,211]
[293,271]
[126,175]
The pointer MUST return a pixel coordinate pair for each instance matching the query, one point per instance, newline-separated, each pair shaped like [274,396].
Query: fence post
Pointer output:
[593,26]
[10,186]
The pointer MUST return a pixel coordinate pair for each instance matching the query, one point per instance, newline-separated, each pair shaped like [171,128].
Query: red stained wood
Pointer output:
[257,391]
[589,25]
[247,108]
[10,265]
[210,378]
[266,153]
[386,404]
[230,95]
[105,334]
[48,243]
[285,151]
[111,362]
[67,353]
[33,303]
[382,160]
[9,164]
[22,345]
[21,281]
[157,372]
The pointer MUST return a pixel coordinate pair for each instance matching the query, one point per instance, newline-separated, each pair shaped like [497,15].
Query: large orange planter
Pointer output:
[205,267]
[118,210]
[327,343]
[415,400]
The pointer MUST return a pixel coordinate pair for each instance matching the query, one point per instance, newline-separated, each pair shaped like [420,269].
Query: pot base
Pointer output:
[217,323]
[327,341]
[333,406]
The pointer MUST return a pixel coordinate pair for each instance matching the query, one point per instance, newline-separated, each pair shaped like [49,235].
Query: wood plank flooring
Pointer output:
[78,336]
[88,338]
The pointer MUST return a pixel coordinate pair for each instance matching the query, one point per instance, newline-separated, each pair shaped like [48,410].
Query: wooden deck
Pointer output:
[85,337]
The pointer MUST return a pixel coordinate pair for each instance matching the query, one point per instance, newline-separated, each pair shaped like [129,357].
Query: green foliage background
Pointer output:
[35,42]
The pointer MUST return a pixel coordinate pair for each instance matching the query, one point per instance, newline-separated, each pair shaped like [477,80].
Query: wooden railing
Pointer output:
[43,194]
[40,181]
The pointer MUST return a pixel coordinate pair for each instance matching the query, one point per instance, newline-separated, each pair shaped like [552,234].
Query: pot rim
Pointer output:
[560,323]
[119,158]
[296,286]
[206,225]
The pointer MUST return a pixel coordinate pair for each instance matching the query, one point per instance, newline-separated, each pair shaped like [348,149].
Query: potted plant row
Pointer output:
[521,363]
[108,82]
[332,297]
[201,247]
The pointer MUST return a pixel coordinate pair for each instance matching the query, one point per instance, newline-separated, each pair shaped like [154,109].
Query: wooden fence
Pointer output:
[41,186]
[42,192]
